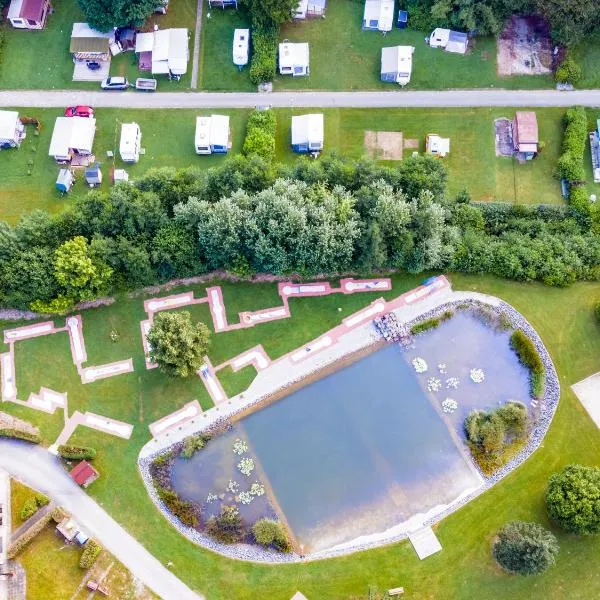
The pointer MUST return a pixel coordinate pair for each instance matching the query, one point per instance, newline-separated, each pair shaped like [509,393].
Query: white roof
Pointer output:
[397,59]
[212,131]
[293,55]
[169,49]
[14,10]
[144,42]
[381,11]
[129,135]
[241,38]
[441,34]
[307,128]
[72,133]
[9,121]
[439,145]
[85,31]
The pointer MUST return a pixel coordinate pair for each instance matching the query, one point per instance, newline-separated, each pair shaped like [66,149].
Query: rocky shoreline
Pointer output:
[547,408]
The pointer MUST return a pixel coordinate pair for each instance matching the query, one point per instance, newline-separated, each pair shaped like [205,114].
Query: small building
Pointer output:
[396,64]
[84,474]
[163,52]
[525,134]
[241,42]
[378,15]
[71,531]
[12,131]
[450,41]
[294,59]
[308,133]
[28,14]
[64,181]
[310,9]
[72,137]
[90,45]
[436,145]
[212,135]
[93,175]
[131,142]
[120,175]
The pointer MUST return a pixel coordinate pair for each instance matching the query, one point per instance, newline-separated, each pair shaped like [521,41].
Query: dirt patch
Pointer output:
[525,47]
[384,145]
[9,422]
[412,144]
[503,137]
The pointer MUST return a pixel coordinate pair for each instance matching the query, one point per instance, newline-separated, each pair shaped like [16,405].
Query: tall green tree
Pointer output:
[103,15]
[571,20]
[267,12]
[178,345]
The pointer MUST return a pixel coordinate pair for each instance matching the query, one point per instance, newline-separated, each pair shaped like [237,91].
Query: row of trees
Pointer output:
[327,216]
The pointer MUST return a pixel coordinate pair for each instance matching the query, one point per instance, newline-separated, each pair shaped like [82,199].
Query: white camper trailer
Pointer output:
[241,41]
[396,64]
[294,59]
[131,142]
[12,131]
[212,135]
[307,133]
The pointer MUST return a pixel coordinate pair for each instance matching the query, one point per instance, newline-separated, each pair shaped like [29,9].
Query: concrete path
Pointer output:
[42,512]
[196,57]
[40,470]
[417,99]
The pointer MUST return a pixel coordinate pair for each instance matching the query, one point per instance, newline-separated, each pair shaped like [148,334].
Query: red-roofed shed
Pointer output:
[525,133]
[84,474]
[28,14]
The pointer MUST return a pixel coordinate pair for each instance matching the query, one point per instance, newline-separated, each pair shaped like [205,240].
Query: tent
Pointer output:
[396,64]
[436,145]
[130,144]
[72,135]
[378,15]
[12,131]
[307,133]
[294,59]
[93,175]
[168,49]
[212,135]
[241,40]
[451,41]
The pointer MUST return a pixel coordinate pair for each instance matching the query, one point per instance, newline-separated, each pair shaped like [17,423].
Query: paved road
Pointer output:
[36,467]
[451,98]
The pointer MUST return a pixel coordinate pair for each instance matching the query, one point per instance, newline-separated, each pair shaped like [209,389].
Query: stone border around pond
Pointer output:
[548,406]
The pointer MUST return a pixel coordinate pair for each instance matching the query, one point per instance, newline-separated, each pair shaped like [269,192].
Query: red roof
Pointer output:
[83,473]
[526,127]
[33,9]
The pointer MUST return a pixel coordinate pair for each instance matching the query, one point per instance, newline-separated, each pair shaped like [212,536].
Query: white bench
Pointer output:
[396,591]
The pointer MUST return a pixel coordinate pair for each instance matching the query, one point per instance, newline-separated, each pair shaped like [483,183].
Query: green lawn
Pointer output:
[464,569]
[19,493]
[41,59]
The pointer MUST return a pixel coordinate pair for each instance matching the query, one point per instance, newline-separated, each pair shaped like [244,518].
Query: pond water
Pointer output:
[368,447]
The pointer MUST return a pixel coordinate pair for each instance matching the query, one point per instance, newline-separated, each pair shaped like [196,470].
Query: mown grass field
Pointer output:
[28,175]
[463,570]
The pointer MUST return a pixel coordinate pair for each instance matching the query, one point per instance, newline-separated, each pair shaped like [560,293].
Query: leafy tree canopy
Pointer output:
[267,12]
[103,15]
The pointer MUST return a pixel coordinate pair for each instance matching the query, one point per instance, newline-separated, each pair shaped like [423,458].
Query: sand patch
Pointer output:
[384,145]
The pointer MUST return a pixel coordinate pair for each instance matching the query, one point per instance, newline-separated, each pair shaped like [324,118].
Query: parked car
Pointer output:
[115,83]
[93,65]
[79,111]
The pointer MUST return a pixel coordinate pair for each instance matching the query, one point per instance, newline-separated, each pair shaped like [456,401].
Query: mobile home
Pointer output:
[72,137]
[294,59]
[378,15]
[396,64]
[450,41]
[12,131]
[241,41]
[212,135]
[307,133]
[131,142]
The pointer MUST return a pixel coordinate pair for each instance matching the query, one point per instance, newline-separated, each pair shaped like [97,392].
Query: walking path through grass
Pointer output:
[408,99]
[195,60]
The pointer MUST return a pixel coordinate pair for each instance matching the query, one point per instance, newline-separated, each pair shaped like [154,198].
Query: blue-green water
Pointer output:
[367,447]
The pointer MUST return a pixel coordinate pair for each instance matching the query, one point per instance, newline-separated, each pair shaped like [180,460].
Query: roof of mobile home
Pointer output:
[307,127]
[291,55]
[396,59]
[212,131]
[72,133]
[8,124]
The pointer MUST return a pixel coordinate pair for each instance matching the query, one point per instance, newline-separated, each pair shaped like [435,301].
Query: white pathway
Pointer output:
[40,470]
[414,99]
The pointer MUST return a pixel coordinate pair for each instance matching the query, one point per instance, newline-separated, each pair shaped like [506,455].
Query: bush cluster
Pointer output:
[32,505]
[265,43]
[260,135]
[570,163]
[90,554]
[227,527]
[17,546]
[17,434]
[529,356]
[271,534]
[76,452]
[568,72]
[193,443]
[58,514]
[597,311]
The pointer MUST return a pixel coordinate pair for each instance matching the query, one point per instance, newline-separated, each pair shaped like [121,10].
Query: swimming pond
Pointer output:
[365,449]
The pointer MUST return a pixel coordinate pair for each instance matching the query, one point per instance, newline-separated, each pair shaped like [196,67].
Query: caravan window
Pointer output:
[373,23]
[299,70]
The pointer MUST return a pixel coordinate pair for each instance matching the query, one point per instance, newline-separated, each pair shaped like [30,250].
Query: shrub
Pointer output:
[90,554]
[58,514]
[187,512]
[425,325]
[76,452]
[570,163]
[568,72]
[597,311]
[515,418]
[17,434]
[192,444]
[32,505]
[227,527]
[20,543]
[260,135]
[271,534]
[529,356]
[265,43]
[573,499]
[525,548]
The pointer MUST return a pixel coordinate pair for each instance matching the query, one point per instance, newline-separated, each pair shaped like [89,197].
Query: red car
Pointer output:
[79,111]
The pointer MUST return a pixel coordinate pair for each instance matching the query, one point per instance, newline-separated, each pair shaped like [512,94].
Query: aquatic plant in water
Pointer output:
[477,375]
[212,497]
[449,405]
[240,446]
[442,368]
[257,489]
[419,364]
[245,497]
[246,466]
[233,487]
[434,384]
[452,383]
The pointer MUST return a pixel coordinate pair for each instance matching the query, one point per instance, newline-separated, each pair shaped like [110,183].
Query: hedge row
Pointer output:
[32,505]
[20,543]
[265,43]
[528,355]
[90,553]
[58,514]
[431,323]
[260,135]
[17,434]
[76,452]
[570,163]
